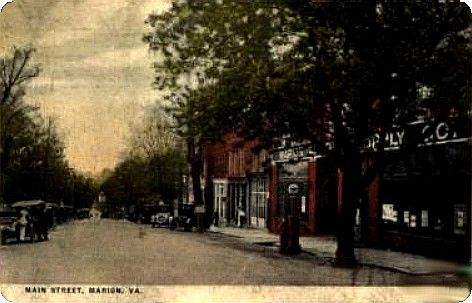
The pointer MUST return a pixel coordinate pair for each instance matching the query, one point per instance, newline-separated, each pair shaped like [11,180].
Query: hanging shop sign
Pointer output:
[294,153]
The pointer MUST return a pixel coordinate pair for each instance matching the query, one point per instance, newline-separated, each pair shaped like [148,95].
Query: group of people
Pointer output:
[33,222]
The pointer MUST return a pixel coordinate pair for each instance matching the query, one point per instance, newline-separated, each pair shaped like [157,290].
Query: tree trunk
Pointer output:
[349,190]
[195,160]
[347,157]
[196,172]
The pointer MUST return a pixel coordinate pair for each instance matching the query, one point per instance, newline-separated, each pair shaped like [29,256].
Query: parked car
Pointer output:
[185,218]
[164,212]
[10,225]
[83,213]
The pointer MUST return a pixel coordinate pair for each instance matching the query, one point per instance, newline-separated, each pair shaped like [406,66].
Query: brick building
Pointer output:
[420,203]
[235,178]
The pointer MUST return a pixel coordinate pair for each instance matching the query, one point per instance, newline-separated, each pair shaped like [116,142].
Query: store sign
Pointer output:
[293,153]
[423,133]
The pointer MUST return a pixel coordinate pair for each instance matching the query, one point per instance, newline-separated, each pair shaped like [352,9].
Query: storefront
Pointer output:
[237,198]
[317,206]
[425,193]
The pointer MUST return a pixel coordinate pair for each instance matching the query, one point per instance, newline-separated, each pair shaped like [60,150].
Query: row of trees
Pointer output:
[32,160]
[152,167]
[334,73]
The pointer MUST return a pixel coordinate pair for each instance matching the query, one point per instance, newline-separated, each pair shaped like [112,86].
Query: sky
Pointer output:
[96,74]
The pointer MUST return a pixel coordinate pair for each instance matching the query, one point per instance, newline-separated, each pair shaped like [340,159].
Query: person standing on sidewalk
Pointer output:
[241,216]
[22,222]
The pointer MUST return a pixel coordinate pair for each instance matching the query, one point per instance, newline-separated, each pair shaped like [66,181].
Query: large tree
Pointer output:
[32,159]
[335,73]
[152,166]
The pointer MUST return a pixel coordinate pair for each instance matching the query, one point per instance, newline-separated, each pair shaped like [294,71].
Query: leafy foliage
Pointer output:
[32,159]
[152,169]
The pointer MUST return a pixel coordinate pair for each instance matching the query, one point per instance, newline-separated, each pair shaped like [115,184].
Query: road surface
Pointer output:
[120,252]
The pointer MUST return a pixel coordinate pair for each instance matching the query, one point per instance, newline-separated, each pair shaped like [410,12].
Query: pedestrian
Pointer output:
[44,221]
[153,221]
[36,223]
[217,218]
[22,222]
[241,216]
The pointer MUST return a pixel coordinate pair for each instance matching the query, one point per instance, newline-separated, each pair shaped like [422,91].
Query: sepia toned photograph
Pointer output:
[235,151]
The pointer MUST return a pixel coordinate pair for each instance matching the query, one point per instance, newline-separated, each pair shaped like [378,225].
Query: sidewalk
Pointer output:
[325,247]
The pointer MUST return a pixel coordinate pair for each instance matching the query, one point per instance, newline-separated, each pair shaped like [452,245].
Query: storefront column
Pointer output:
[272,201]
[374,212]
[312,195]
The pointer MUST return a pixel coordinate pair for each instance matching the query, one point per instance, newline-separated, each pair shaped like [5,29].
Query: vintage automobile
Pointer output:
[185,218]
[8,225]
[83,213]
[164,212]
[10,221]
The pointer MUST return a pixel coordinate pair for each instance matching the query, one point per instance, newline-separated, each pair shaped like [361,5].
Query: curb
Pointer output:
[367,264]
[389,268]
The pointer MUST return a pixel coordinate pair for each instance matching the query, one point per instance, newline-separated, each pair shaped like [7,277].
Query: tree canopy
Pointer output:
[32,158]
[152,167]
[270,68]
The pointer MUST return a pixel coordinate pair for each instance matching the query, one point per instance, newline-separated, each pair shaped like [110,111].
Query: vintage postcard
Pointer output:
[235,151]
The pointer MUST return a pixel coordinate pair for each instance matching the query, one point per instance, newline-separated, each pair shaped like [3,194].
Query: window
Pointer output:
[230,163]
[241,161]
[424,218]
[412,220]
[460,219]
[406,217]
[258,199]
[388,213]
[220,200]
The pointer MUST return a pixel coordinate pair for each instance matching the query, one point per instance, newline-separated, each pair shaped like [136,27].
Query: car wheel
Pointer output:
[4,239]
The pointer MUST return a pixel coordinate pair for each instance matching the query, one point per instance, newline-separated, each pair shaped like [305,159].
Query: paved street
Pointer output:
[121,252]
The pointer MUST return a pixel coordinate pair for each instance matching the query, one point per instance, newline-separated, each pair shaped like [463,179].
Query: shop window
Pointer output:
[413,221]
[406,218]
[389,213]
[424,218]
[258,198]
[460,219]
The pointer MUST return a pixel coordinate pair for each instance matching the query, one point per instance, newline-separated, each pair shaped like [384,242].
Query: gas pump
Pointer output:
[290,232]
